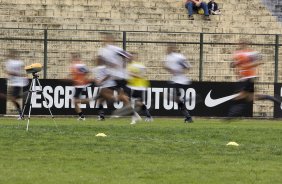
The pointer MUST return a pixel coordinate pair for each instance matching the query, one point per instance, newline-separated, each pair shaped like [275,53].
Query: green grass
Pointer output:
[165,151]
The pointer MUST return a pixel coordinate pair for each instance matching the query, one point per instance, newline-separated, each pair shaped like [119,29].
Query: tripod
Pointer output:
[32,90]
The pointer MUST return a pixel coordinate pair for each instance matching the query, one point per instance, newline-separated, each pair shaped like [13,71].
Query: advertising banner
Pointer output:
[211,99]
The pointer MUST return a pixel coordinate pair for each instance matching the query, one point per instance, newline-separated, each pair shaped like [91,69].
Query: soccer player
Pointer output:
[14,68]
[106,85]
[138,85]
[176,64]
[80,79]
[246,61]
[114,58]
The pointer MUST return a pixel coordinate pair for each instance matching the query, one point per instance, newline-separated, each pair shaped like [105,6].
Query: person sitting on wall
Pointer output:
[195,5]
[213,8]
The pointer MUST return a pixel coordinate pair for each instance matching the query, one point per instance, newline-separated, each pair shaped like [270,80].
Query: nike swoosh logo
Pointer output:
[214,102]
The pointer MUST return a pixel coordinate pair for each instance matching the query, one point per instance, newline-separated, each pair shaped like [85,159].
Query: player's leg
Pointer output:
[14,93]
[181,104]
[138,95]
[77,102]
[103,92]
[123,96]
[123,92]
[246,95]
[268,97]
[135,105]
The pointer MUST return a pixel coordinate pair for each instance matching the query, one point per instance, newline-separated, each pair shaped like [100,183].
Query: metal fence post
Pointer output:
[276,57]
[124,40]
[201,57]
[45,53]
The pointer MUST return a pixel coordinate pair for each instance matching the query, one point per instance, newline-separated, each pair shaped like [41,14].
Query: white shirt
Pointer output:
[101,72]
[112,55]
[178,63]
[16,66]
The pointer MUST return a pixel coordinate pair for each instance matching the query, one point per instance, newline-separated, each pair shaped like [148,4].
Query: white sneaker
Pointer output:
[81,119]
[135,118]
[20,118]
[149,119]
[101,118]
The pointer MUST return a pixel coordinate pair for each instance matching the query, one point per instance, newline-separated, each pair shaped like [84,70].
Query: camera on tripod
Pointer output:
[33,68]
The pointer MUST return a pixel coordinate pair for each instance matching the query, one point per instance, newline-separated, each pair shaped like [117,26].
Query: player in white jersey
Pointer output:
[138,85]
[114,59]
[106,85]
[16,77]
[176,64]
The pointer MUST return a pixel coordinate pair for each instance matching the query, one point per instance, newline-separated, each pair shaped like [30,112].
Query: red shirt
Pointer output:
[244,61]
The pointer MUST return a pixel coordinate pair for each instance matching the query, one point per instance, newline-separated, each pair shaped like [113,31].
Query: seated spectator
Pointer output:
[213,8]
[195,5]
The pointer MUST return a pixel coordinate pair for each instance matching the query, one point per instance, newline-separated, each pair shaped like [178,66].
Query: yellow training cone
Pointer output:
[232,144]
[101,135]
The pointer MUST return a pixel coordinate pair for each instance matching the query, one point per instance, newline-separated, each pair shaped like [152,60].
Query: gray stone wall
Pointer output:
[138,15]
[275,6]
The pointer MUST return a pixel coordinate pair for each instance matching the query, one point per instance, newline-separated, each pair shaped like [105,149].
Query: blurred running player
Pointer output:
[114,58]
[80,79]
[138,85]
[14,68]
[246,61]
[176,64]
[106,85]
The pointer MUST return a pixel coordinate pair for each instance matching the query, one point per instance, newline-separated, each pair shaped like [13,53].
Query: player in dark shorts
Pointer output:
[137,86]
[16,79]
[246,61]
[80,79]
[176,64]
[114,59]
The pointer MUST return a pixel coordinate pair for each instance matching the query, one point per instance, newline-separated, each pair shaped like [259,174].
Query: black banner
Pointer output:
[211,99]
[3,93]
[277,107]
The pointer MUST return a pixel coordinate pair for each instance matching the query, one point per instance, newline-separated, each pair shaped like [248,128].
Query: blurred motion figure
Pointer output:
[137,85]
[79,74]
[245,63]
[16,79]
[176,64]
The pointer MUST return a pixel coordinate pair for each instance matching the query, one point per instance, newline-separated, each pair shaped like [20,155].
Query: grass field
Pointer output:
[165,151]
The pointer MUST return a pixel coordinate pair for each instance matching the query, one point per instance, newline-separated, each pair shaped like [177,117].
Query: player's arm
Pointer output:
[252,65]
[135,75]
[185,64]
[169,70]
[9,72]
[14,73]
[91,80]
[106,62]
[236,62]
[99,82]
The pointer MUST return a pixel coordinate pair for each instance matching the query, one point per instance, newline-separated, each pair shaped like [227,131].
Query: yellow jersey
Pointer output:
[136,79]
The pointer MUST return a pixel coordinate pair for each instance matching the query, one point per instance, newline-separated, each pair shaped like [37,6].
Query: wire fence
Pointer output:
[209,53]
